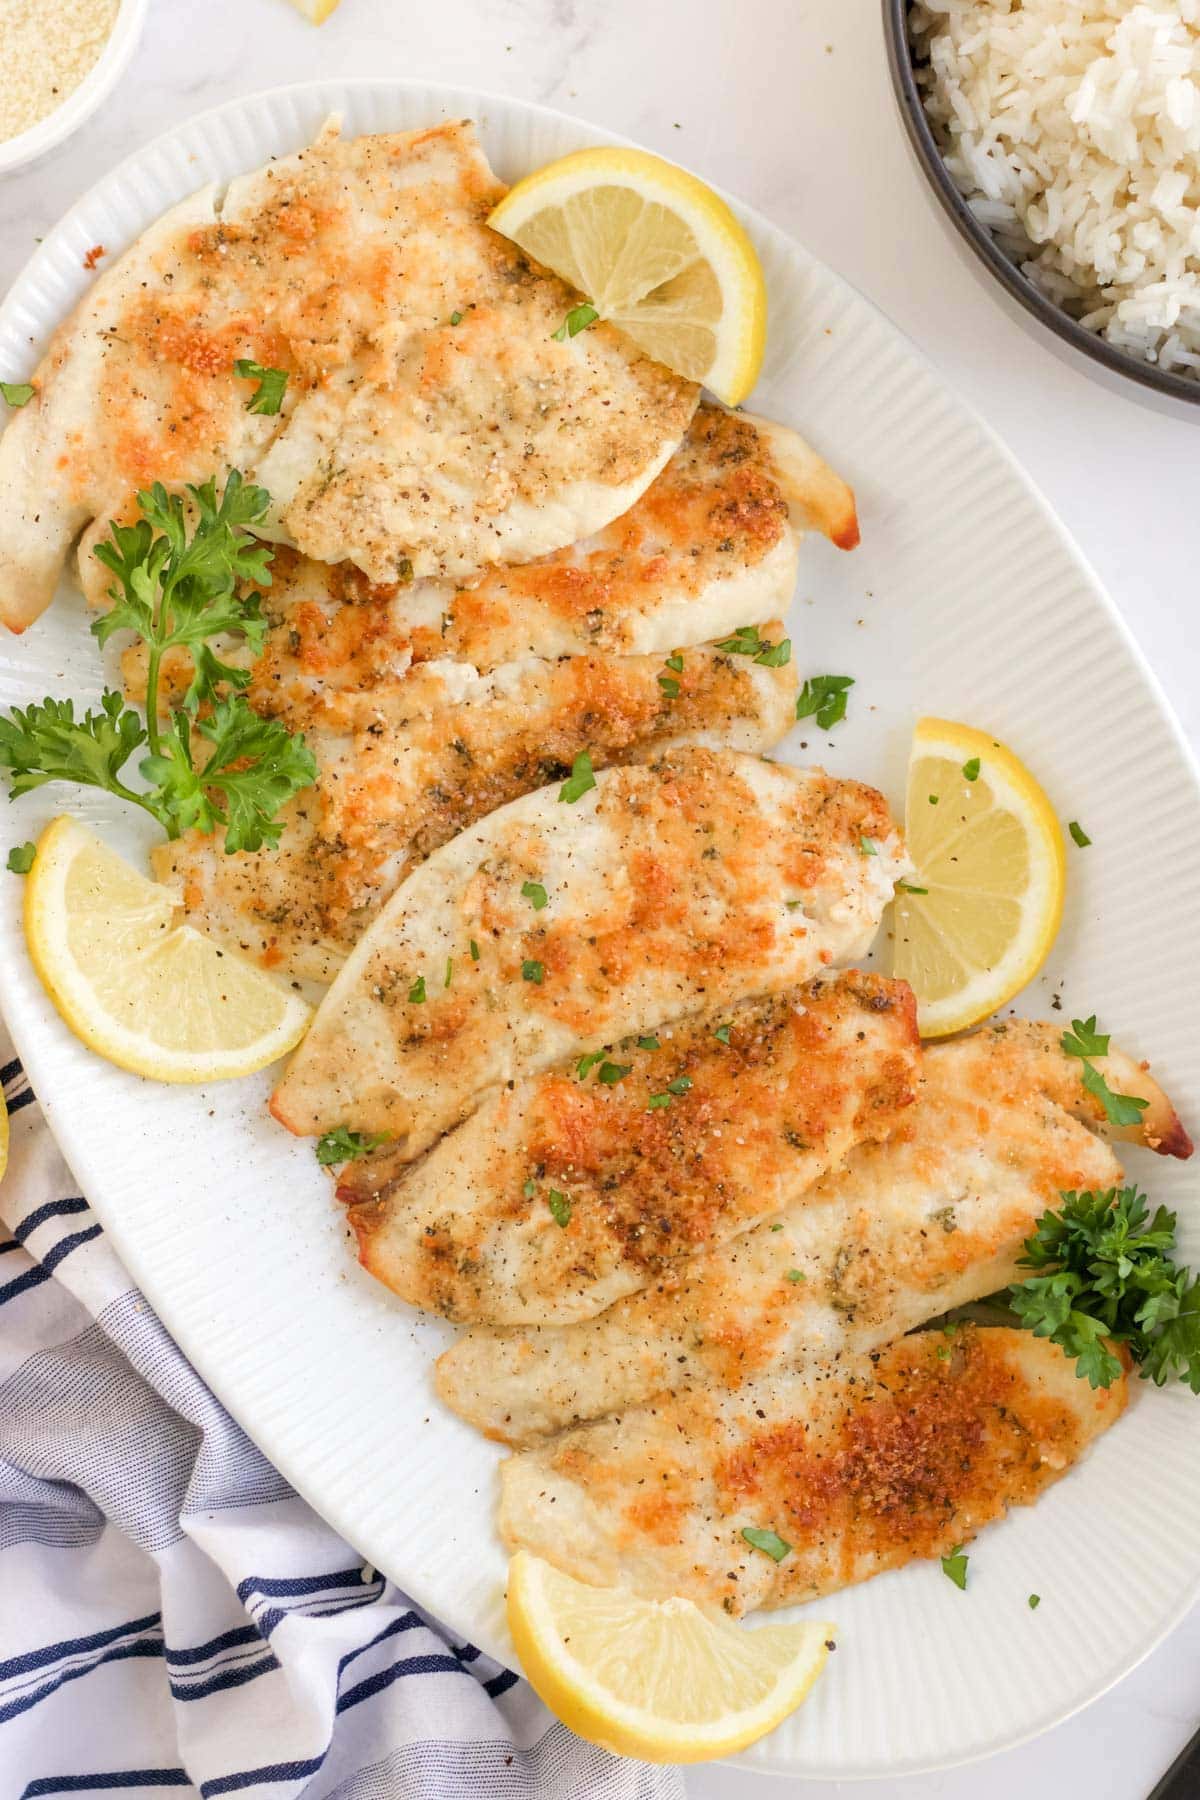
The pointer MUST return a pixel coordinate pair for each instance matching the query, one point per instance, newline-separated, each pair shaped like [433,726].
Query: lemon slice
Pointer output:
[656,1679]
[148,993]
[315,11]
[655,252]
[989,854]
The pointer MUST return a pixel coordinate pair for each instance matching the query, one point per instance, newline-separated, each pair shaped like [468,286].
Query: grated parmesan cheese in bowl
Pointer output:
[1072,129]
[61,60]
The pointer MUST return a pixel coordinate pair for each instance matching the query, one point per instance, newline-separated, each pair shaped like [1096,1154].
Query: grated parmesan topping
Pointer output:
[49,46]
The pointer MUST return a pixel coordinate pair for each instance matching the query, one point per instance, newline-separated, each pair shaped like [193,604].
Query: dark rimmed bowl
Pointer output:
[984,245]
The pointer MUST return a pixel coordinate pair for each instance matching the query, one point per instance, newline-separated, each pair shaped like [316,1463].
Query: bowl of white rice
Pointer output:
[1062,139]
[62,59]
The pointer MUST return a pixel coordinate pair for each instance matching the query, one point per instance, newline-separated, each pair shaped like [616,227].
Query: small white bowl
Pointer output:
[93,90]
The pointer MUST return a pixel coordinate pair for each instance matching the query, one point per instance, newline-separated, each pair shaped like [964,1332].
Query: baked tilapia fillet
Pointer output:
[713,544]
[858,1466]
[432,423]
[927,1217]
[673,886]
[406,766]
[572,1188]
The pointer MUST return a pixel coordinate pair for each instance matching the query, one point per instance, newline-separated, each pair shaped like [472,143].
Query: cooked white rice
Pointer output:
[1073,129]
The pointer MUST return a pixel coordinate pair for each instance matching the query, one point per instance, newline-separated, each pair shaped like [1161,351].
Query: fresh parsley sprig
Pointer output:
[1108,1274]
[177,586]
[343,1145]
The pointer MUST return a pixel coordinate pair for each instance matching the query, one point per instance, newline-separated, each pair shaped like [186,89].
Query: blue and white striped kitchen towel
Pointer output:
[172,1615]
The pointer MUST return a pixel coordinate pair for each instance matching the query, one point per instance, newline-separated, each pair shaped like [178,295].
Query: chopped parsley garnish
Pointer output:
[1084,1041]
[348,1146]
[746,642]
[954,1567]
[533,971]
[474,950]
[796,1275]
[778,1225]
[611,1072]
[17,393]
[1035,1600]
[530,1188]
[456,318]
[680,1085]
[933,799]
[648,1043]
[1109,1274]
[177,591]
[670,686]
[268,395]
[20,858]
[722,1033]
[449,972]
[867,846]
[560,1207]
[675,662]
[769,1542]
[416,993]
[906,887]
[1079,835]
[586,1063]
[581,778]
[657,1100]
[824,696]
[971,768]
[535,893]
[577,320]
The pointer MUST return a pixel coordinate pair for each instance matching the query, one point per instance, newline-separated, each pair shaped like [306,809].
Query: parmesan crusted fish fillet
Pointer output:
[931,1217]
[685,883]
[711,545]
[407,443]
[585,1183]
[859,1466]
[407,764]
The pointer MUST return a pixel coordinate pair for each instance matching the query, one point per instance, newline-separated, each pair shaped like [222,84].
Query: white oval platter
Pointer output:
[966,599]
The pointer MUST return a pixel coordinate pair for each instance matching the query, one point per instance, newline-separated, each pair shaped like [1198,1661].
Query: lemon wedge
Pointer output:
[315,11]
[976,921]
[655,252]
[655,1679]
[138,987]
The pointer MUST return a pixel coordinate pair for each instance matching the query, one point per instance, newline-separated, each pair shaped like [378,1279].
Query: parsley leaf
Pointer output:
[588,1062]
[1087,1041]
[769,1542]
[867,846]
[533,971]
[1035,1600]
[722,1033]
[955,1567]
[255,765]
[611,1072]
[579,781]
[1078,834]
[560,1207]
[648,1043]
[680,1085]
[20,858]
[825,697]
[971,768]
[46,742]
[656,1101]
[670,686]
[1106,1274]
[906,887]
[17,393]
[577,320]
[1084,1041]
[348,1146]
[747,642]
[268,395]
[535,893]
[417,995]
[795,1275]
[456,318]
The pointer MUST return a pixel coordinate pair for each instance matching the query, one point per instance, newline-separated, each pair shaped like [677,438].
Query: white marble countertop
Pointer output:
[788,106]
